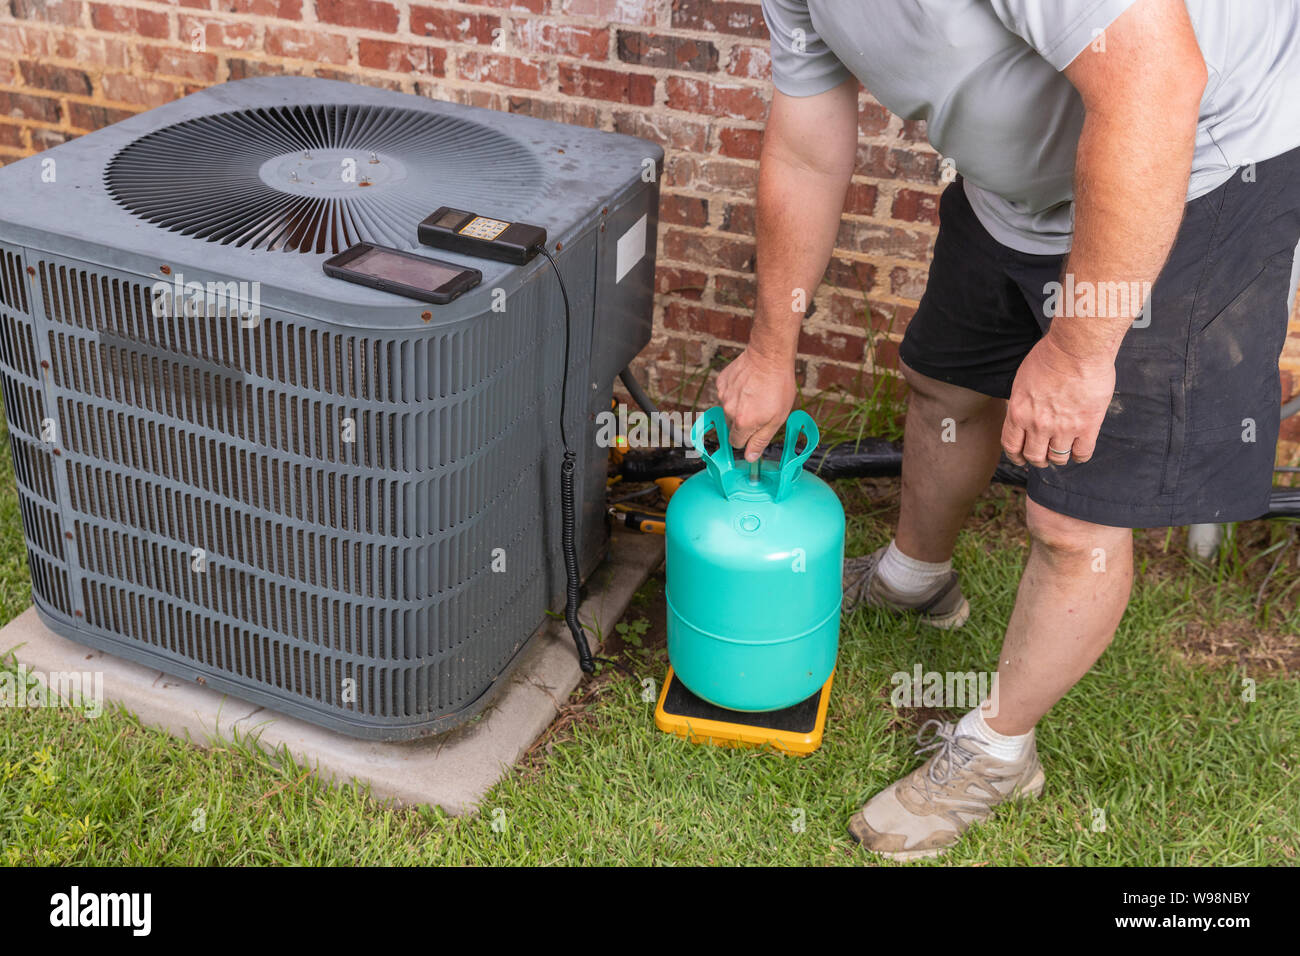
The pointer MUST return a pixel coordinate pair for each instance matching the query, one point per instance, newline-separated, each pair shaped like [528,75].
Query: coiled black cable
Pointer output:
[568,508]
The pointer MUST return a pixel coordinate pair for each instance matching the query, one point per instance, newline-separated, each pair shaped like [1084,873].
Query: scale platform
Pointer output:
[794,730]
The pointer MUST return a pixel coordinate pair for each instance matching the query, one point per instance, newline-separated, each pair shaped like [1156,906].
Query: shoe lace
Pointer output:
[949,756]
[859,583]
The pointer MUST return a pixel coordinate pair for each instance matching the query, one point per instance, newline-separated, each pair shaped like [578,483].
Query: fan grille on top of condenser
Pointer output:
[319,178]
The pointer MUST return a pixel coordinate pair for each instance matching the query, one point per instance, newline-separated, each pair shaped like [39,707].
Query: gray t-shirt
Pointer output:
[985,76]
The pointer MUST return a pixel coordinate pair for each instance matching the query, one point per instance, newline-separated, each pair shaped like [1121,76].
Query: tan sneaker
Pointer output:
[943,606]
[927,811]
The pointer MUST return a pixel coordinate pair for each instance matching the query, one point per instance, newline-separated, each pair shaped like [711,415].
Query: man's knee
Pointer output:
[961,404]
[1064,535]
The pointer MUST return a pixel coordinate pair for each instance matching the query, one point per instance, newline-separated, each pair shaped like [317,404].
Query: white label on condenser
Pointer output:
[631,249]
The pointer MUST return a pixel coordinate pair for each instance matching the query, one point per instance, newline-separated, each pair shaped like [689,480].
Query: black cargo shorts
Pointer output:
[1191,434]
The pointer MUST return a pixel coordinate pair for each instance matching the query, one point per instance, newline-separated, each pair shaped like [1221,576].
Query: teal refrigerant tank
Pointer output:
[755,559]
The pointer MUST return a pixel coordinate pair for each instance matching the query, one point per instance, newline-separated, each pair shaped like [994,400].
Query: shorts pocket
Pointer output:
[1177,435]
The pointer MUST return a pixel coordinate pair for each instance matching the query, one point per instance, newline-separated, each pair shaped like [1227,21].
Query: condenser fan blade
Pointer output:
[319,178]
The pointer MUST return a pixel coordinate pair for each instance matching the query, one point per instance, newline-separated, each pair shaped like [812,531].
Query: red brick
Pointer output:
[11,136]
[889,317]
[562,39]
[132,20]
[687,283]
[88,116]
[838,308]
[715,99]
[852,274]
[913,205]
[222,34]
[884,354]
[401,57]
[750,62]
[558,111]
[169,61]
[590,82]
[105,52]
[139,91]
[723,175]
[664,128]
[873,119]
[459,25]
[827,343]
[366,14]
[853,379]
[616,11]
[66,13]
[878,239]
[1290,431]
[914,131]
[740,143]
[280,9]
[307,44]
[737,291]
[693,385]
[709,251]
[27,106]
[505,70]
[60,79]
[683,210]
[680,170]
[667,52]
[738,217]
[907,283]
[241,69]
[860,199]
[526,6]
[731,326]
[884,162]
[716,16]
[676,350]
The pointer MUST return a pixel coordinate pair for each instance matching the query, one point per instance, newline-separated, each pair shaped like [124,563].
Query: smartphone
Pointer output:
[405,273]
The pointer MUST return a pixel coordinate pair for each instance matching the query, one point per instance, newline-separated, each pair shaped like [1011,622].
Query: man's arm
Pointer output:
[809,150]
[1142,92]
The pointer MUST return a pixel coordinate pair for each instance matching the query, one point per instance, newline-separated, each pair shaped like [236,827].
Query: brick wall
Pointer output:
[689,74]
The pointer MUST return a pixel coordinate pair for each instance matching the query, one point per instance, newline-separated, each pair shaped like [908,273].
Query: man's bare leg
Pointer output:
[1072,595]
[951,445]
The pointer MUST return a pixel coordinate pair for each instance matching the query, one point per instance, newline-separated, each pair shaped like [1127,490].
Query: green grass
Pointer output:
[1157,736]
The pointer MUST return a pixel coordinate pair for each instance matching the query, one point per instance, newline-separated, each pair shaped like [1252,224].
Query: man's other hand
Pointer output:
[756,395]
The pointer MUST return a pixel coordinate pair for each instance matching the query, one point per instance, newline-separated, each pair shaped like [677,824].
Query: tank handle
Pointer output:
[799,423]
[721,464]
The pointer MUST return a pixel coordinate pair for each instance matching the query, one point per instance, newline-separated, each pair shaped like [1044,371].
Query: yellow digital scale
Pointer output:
[794,730]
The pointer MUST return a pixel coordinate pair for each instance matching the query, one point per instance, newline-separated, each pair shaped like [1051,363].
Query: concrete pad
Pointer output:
[453,770]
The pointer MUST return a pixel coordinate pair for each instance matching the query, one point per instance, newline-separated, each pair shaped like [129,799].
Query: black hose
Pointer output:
[642,399]
[573,589]
[568,508]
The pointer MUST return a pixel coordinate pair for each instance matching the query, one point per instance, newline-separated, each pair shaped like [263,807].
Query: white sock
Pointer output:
[995,744]
[908,576]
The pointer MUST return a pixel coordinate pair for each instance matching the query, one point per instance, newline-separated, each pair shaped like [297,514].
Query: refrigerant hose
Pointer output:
[568,510]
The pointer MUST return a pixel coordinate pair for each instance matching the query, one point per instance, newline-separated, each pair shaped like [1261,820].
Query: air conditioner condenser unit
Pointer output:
[328,500]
